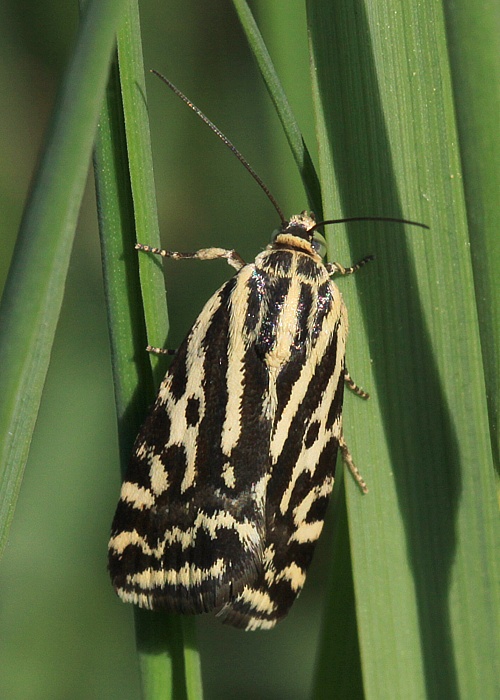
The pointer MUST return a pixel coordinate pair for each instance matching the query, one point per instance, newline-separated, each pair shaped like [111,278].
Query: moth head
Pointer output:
[300,232]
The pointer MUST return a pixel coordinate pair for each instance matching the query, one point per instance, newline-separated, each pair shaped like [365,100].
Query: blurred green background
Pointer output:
[63,633]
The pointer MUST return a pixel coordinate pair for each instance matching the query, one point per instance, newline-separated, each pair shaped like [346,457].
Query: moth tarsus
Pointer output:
[337,268]
[160,351]
[349,462]
[351,384]
[231,256]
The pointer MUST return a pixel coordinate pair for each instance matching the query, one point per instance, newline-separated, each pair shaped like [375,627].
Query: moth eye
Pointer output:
[319,244]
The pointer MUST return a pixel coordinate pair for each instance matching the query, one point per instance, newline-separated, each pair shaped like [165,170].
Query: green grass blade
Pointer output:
[34,289]
[282,106]
[132,372]
[424,552]
[474,49]
[338,662]
[128,339]
[142,182]
[127,204]
[192,661]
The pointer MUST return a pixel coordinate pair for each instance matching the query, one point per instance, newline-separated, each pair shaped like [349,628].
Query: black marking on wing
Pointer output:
[277,291]
[193,411]
[303,313]
[278,263]
[308,268]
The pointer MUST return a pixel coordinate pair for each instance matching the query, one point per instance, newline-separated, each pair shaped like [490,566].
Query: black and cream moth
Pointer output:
[230,476]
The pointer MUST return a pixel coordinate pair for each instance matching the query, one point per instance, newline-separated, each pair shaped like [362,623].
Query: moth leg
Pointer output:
[353,386]
[336,268]
[233,258]
[160,351]
[349,462]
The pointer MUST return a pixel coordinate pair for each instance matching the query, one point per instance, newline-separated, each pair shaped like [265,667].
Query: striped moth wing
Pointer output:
[230,475]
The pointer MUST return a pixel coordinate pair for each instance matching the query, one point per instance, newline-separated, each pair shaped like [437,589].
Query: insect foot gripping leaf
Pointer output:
[230,475]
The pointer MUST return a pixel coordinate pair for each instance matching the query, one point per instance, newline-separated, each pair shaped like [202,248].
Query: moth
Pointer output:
[230,476]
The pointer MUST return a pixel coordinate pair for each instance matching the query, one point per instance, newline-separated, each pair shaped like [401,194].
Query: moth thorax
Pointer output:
[296,238]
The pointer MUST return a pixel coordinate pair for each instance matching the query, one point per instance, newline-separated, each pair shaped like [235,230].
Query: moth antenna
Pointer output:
[368,218]
[224,140]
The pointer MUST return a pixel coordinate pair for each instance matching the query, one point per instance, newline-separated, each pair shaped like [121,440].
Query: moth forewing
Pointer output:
[230,476]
